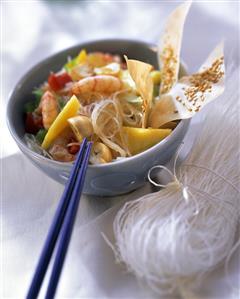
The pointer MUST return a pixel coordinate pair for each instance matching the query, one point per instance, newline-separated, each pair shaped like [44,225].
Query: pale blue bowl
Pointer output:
[110,179]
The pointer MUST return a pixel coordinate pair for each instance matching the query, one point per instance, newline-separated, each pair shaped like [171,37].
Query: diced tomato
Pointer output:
[73,149]
[63,79]
[52,81]
[57,82]
[33,123]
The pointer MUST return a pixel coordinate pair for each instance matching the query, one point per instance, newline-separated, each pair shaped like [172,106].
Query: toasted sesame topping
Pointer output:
[200,84]
[168,69]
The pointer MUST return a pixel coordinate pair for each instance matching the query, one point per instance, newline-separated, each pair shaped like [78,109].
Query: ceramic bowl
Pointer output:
[110,179]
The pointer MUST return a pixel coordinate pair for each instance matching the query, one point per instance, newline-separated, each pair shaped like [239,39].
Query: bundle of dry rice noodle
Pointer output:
[170,238]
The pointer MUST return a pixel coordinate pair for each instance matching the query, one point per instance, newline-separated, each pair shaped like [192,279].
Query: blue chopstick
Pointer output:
[67,227]
[55,228]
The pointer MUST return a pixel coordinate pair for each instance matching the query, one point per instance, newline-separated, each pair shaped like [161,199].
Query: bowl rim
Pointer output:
[22,144]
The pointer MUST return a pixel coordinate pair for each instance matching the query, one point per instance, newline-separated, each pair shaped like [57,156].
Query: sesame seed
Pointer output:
[169,62]
[203,82]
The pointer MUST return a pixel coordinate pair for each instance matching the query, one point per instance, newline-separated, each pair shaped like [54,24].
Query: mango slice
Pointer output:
[60,123]
[156,76]
[139,139]
[78,60]
[82,56]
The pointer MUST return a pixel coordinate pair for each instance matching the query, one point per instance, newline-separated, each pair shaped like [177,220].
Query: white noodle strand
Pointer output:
[171,238]
[107,125]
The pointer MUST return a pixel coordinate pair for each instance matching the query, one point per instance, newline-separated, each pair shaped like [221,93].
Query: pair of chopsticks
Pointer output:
[61,227]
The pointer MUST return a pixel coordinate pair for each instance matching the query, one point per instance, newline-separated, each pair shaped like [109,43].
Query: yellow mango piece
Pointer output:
[140,139]
[156,77]
[82,57]
[60,123]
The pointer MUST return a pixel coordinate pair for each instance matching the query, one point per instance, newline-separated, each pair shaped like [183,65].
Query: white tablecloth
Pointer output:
[31,31]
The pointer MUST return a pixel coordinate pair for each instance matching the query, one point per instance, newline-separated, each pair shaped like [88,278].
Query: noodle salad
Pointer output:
[124,106]
[94,96]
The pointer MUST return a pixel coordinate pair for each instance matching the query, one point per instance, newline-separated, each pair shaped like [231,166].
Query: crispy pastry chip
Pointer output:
[191,93]
[140,73]
[169,47]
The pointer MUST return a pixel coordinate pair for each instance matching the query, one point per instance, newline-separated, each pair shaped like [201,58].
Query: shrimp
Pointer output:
[59,150]
[49,108]
[97,84]
[60,153]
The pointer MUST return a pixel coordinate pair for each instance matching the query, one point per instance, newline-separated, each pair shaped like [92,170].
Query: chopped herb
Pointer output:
[32,105]
[61,103]
[80,58]
[38,94]
[156,90]
[70,64]
[29,107]
[40,135]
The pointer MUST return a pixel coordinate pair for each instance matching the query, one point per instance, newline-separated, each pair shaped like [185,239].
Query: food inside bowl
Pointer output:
[124,106]
[94,96]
